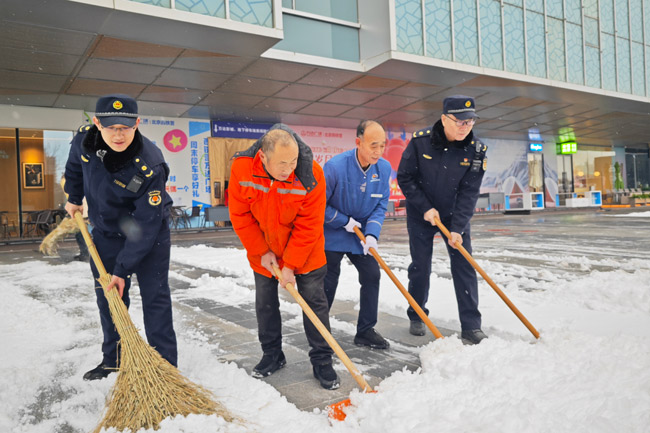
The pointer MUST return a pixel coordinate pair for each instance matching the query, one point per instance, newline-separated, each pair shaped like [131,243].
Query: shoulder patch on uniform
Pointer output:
[422,132]
[141,164]
[154,198]
[485,164]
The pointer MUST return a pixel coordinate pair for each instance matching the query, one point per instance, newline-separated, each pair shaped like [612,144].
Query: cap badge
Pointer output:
[468,104]
[118,105]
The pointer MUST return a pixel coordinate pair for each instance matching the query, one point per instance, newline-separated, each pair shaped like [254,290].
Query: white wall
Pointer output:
[61,119]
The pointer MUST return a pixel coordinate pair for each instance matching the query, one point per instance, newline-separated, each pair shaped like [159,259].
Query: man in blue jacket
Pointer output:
[122,175]
[357,196]
[440,175]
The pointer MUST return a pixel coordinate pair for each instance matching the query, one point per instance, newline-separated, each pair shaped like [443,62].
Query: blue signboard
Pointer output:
[536,147]
[239,129]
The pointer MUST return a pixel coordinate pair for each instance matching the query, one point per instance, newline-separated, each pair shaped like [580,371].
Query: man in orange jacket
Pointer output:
[277,208]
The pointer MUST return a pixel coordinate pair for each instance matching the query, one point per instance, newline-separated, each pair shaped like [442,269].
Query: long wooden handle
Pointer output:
[90,244]
[485,276]
[401,288]
[325,333]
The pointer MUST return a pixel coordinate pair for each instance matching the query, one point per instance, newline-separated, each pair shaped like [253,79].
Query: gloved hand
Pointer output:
[352,223]
[371,242]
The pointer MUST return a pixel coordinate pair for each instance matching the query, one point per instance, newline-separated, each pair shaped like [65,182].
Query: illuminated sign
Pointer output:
[566,142]
[534,135]
[536,147]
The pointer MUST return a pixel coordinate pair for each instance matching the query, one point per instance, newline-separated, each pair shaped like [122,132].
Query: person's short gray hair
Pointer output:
[277,137]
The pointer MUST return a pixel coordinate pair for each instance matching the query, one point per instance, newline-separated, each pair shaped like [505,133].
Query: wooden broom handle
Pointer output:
[485,276]
[401,288]
[90,244]
[325,333]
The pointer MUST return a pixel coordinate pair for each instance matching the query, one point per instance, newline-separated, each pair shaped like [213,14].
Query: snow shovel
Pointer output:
[485,276]
[148,389]
[335,410]
[401,288]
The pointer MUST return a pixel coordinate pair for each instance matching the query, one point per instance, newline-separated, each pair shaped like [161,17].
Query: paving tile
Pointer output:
[232,330]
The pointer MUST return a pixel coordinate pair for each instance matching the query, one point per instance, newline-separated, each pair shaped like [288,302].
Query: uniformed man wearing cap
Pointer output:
[122,175]
[440,175]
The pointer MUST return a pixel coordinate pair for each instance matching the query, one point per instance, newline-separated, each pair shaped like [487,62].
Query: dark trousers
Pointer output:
[369,276]
[269,321]
[463,274]
[152,274]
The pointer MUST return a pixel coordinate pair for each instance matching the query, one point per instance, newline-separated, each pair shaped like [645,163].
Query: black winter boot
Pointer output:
[326,376]
[269,364]
[371,338]
[474,336]
[99,372]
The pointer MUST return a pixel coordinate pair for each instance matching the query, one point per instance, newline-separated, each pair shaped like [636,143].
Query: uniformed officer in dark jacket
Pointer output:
[440,175]
[122,175]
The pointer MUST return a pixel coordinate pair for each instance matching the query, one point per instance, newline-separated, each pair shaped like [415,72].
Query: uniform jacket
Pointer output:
[447,176]
[351,192]
[125,192]
[285,217]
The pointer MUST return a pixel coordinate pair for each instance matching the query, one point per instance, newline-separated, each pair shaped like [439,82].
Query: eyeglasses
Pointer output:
[114,130]
[460,123]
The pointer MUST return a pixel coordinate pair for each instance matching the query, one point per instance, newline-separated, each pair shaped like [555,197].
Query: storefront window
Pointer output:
[593,169]
[637,166]
[30,180]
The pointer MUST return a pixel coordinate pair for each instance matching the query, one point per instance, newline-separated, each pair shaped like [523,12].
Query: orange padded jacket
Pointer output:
[281,216]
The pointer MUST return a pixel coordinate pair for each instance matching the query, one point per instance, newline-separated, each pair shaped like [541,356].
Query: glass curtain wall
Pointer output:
[324,28]
[598,43]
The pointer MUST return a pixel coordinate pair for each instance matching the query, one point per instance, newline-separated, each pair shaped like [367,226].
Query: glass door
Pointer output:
[9,212]
[564,178]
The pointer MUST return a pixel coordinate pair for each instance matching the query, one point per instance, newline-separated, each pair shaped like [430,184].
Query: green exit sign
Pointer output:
[566,142]
[566,148]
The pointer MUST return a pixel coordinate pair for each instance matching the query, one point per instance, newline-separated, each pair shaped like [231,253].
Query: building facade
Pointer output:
[544,73]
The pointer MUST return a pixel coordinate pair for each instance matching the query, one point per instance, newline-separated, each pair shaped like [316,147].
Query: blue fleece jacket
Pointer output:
[353,192]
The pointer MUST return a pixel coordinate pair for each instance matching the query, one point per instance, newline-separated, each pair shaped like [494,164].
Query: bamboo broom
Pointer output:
[148,389]
[50,244]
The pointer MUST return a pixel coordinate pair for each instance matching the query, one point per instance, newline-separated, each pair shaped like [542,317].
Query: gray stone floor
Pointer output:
[586,232]
[235,331]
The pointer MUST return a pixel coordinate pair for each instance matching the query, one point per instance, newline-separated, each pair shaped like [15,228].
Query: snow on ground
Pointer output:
[633,215]
[588,373]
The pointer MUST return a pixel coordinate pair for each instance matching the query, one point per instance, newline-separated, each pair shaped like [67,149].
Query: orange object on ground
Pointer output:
[335,411]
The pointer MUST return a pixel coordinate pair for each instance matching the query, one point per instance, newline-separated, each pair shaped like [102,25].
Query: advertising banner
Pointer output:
[326,142]
[239,129]
[184,144]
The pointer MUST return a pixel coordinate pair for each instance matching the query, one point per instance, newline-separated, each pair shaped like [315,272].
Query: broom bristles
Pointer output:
[50,244]
[148,389]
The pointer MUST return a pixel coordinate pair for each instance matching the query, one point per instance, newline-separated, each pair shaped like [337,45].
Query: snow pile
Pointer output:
[588,372]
